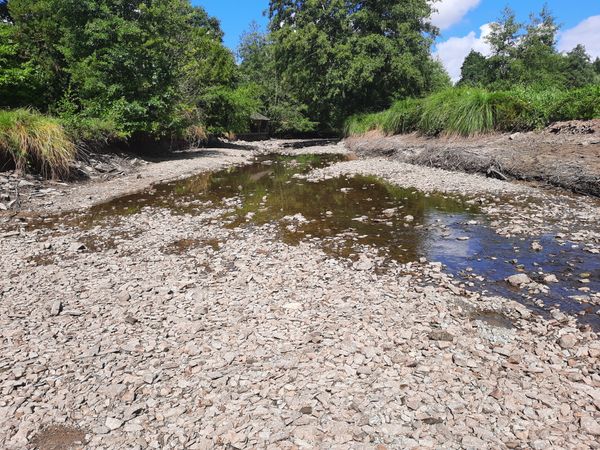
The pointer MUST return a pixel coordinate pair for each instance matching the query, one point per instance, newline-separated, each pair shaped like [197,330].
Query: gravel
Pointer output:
[256,344]
[238,340]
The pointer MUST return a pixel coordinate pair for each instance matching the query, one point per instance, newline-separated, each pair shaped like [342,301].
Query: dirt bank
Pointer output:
[566,155]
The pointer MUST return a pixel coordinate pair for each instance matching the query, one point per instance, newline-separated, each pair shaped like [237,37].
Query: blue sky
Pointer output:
[462,22]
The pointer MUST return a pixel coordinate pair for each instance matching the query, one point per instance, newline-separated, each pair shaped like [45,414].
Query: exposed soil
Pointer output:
[565,154]
[59,437]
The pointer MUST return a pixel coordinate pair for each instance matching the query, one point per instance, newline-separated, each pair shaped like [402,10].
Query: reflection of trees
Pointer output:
[198,184]
[285,196]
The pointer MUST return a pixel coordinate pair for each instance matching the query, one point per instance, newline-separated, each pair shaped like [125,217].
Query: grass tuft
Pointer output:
[35,142]
[473,111]
[195,135]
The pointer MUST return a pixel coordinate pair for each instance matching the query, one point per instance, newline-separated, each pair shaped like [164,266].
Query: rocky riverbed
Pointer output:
[208,313]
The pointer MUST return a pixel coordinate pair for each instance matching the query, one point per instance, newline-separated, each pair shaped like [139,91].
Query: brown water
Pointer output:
[344,215]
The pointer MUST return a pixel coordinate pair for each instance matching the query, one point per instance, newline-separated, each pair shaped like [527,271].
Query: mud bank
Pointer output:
[566,155]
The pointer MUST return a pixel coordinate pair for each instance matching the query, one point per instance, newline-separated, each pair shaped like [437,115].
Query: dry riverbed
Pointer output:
[208,314]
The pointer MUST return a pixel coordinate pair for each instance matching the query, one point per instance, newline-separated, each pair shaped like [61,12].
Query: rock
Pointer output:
[590,426]
[364,263]
[536,246]
[550,279]
[409,218]
[113,424]
[518,280]
[567,341]
[56,308]
[77,247]
[440,335]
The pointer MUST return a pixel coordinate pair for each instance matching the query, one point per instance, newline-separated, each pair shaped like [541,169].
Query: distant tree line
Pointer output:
[525,54]
[154,69]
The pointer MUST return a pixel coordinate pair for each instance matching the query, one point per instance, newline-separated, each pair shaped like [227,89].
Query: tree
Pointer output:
[341,57]
[579,70]
[120,60]
[256,53]
[475,70]
[19,81]
[597,65]
[503,39]
[504,34]
[537,58]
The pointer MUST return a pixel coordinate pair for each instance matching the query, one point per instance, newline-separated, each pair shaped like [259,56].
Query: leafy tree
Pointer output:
[257,55]
[503,39]
[19,83]
[579,70]
[537,58]
[597,65]
[475,70]
[121,60]
[340,57]
[526,55]
[229,110]
[208,65]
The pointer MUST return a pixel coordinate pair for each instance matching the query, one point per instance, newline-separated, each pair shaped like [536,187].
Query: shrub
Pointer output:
[33,141]
[195,135]
[583,104]
[469,111]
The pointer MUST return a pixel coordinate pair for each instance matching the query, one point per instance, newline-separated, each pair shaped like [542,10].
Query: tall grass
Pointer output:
[472,111]
[35,142]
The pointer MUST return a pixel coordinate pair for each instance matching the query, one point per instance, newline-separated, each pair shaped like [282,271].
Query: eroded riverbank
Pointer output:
[253,308]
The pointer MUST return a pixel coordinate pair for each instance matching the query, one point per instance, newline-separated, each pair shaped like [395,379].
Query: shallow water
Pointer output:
[346,214]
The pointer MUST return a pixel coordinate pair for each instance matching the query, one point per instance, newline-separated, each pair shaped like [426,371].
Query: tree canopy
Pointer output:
[525,54]
[339,57]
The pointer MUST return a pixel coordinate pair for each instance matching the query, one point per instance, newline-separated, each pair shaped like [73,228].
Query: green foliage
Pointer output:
[474,70]
[257,54]
[19,81]
[131,68]
[229,110]
[33,141]
[581,104]
[579,70]
[341,57]
[471,111]
[525,55]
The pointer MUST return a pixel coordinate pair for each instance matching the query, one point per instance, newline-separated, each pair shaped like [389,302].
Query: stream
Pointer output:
[348,214]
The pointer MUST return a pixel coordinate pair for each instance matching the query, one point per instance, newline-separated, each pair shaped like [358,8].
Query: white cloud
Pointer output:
[453,52]
[450,12]
[586,33]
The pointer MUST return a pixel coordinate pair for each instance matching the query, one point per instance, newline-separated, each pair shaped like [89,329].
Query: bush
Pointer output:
[195,135]
[363,123]
[470,111]
[36,142]
[581,104]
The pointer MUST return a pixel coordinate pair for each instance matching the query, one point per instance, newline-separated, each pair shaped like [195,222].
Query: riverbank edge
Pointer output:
[565,156]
